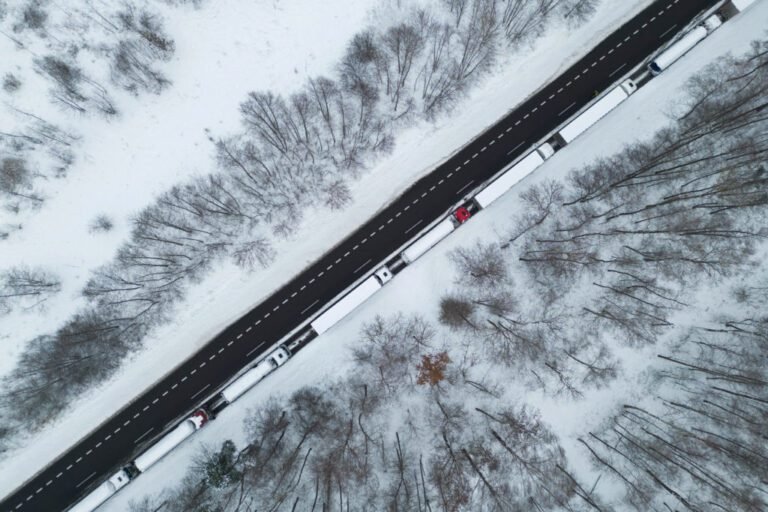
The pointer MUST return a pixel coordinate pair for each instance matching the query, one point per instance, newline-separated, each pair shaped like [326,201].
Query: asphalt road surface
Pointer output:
[124,435]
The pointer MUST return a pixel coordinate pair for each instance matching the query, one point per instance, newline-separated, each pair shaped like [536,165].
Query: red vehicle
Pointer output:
[461,214]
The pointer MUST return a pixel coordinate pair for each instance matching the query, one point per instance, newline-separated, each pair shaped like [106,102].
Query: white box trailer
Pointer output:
[511,176]
[740,5]
[102,493]
[346,305]
[679,48]
[596,111]
[170,441]
[428,240]
[250,378]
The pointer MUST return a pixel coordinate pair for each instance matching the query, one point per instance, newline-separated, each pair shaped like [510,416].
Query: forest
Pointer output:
[659,246]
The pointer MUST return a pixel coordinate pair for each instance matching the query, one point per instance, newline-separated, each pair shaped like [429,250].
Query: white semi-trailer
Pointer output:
[740,5]
[680,47]
[595,112]
[428,240]
[246,381]
[346,305]
[509,177]
[102,493]
[171,440]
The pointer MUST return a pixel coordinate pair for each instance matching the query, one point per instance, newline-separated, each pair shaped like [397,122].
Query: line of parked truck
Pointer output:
[423,242]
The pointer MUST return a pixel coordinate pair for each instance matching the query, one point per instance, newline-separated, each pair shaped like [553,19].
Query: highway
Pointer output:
[119,439]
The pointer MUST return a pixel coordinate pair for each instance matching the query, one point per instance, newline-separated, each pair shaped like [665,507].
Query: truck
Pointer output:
[171,440]
[346,305]
[508,178]
[428,240]
[250,378]
[680,47]
[103,492]
[595,112]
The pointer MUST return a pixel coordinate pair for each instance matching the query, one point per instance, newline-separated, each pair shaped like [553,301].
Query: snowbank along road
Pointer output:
[124,435]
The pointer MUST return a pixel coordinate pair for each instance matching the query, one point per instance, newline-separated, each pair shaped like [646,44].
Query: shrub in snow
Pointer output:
[11,83]
[101,224]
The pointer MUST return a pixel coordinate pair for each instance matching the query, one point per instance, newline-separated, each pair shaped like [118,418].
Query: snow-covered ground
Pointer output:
[200,100]
[418,288]
[215,38]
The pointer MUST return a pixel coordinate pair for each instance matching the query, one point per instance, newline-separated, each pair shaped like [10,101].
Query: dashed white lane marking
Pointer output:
[593,64]
[294,294]
[534,109]
[475,155]
[194,371]
[142,436]
[144,409]
[39,491]
[83,481]
[651,20]
[303,287]
[345,255]
[276,308]
[254,349]
[202,364]
[213,356]
[566,109]
[329,267]
[412,227]
[139,414]
[89,451]
[492,143]
[285,301]
[405,209]
[500,135]
[266,315]
[560,90]
[602,57]
[627,38]
[464,187]
[398,214]
[636,32]
[336,262]
[358,269]
[70,466]
[568,84]
[449,175]
[49,482]
[551,96]
[610,51]
[239,336]
[118,429]
[247,329]
[483,148]
[526,116]
[433,187]
[389,221]
[201,390]
[366,238]
[126,423]
[617,69]
[61,473]
[308,307]
[257,322]
[644,25]
[109,436]
[311,280]
[424,194]
[465,163]
[157,399]
[80,458]
[98,445]
[177,384]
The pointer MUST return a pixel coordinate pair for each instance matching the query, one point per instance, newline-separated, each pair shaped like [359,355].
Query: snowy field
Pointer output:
[419,287]
[201,100]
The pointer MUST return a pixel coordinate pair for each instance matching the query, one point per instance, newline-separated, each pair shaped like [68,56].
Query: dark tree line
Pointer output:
[341,446]
[293,153]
